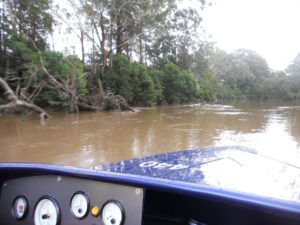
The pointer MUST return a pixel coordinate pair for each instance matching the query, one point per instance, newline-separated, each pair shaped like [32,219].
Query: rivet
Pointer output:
[58,178]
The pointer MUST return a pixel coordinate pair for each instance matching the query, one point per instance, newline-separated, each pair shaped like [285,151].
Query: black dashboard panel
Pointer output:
[61,189]
[165,208]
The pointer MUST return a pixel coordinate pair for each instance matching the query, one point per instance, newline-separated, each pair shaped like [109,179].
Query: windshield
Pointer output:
[90,82]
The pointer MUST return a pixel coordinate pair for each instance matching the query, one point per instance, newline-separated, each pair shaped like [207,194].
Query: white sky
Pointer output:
[269,27]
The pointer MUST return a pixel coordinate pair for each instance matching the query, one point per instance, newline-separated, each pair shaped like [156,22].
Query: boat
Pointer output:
[230,185]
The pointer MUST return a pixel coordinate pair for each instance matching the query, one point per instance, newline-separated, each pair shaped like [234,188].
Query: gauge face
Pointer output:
[46,212]
[113,213]
[20,207]
[79,205]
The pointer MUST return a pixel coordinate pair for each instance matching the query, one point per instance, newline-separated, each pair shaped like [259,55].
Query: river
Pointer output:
[93,138]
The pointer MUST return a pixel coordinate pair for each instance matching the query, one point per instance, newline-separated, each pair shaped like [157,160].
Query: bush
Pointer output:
[144,86]
[209,89]
[179,86]
[132,81]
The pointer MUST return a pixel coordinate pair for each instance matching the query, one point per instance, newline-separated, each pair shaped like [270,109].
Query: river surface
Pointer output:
[93,138]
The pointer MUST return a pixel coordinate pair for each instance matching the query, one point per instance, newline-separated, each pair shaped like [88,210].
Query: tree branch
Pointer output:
[14,101]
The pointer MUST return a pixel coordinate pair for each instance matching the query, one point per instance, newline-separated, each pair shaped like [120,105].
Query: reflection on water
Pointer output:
[90,139]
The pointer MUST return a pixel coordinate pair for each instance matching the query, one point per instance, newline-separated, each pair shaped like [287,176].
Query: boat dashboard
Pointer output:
[53,200]
[52,195]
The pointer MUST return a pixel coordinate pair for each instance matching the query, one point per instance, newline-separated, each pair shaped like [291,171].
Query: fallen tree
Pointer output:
[113,102]
[16,102]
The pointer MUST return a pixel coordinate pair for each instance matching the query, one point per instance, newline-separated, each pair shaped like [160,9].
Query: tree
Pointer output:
[24,24]
[31,20]
[36,74]
[242,72]
[293,71]
[257,65]
[24,27]
[294,68]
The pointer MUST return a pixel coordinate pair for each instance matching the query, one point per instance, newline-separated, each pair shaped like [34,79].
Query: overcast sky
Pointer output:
[269,27]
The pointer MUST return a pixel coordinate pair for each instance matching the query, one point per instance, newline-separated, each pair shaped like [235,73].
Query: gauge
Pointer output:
[20,207]
[113,213]
[46,212]
[79,205]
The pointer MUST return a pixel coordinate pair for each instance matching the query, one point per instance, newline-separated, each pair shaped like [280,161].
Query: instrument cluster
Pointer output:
[55,200]
[47,211]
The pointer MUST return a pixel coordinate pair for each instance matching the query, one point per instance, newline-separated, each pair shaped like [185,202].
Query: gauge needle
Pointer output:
[46,216]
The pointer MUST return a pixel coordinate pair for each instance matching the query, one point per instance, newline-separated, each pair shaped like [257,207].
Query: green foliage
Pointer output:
[23,23]
[277,86]
[141,85]
[209,89]
[294,68]
[241,74]
[56,65]
[179,86]
[132,81]
[117,78]
[162,51]
[256,64]
[245,74]
[32,20]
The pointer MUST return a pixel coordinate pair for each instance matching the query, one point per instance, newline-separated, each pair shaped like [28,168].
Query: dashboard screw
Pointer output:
[138,191]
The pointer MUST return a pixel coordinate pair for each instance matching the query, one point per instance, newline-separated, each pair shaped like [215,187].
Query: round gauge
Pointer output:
[113,213]
[20,207]
[79,205]
[46,212]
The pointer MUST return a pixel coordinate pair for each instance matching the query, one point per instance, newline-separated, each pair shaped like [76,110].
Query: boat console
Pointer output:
[148,191]
[55,199]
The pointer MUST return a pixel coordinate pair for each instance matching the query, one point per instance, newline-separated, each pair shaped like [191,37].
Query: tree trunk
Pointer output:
[127,51]
[111,45]
[104,53]
[94,70]
[141,50]
[119,39]
[82,45]
[74,97]
[1,31]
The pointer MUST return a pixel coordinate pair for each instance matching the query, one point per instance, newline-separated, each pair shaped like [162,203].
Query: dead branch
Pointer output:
[37,91]
[115,103]
[62,89]
[88,107]
[14,101]
[8,91]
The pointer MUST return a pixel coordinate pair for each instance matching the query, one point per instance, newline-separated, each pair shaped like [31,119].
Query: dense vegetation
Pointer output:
[149,52]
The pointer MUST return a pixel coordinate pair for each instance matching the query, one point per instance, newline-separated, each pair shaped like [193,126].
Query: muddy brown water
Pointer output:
[93,138]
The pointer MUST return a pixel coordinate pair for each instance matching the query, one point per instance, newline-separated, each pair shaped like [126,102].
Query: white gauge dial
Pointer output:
[46,212]
[112,213]
[20,207]
[79,205]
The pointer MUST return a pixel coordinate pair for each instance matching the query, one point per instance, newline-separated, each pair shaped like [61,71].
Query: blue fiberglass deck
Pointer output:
[226,168]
